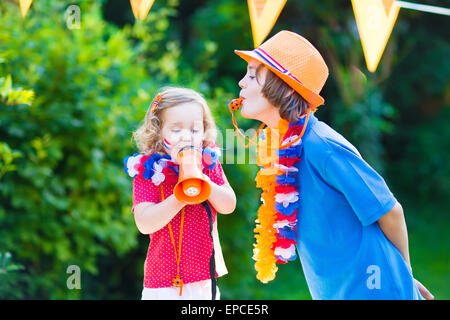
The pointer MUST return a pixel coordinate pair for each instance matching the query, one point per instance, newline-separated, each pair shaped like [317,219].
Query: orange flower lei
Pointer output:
[265,233]
[278,151]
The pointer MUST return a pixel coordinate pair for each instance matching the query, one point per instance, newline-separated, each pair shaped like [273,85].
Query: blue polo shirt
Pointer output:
[343,252]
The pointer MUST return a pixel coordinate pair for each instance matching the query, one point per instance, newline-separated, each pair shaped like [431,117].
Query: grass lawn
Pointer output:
[429,248]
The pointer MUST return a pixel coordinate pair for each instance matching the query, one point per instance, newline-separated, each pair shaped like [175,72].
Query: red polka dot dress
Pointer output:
[160,264]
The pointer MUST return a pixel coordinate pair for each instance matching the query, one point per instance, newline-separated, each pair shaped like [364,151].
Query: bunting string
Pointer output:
[424,8]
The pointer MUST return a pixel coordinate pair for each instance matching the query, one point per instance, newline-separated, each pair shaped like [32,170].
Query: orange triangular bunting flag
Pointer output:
[24,6]
[259,6]
[145,8]
[387,5]
[141,8]
[375,27]
[135,4]
[263,15]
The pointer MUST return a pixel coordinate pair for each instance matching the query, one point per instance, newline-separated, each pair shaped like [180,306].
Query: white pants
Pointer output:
[200,290]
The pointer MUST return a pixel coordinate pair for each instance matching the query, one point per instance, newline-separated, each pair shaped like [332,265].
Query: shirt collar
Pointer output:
[301,121]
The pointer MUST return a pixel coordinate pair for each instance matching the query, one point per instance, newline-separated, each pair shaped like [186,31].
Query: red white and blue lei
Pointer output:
[159,168]
[287,199]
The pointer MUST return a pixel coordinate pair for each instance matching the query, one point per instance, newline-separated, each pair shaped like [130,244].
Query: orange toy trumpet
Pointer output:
[191,188]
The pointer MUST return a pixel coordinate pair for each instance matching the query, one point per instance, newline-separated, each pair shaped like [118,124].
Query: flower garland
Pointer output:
[210,156]
[160,168]
[276,225]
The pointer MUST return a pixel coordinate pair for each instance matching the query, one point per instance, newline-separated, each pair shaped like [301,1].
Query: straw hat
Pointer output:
[295,60]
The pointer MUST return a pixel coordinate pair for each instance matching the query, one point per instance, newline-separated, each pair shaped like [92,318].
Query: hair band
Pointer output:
[155,102]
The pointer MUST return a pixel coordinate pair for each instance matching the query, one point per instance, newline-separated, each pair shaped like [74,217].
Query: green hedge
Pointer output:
[67,200]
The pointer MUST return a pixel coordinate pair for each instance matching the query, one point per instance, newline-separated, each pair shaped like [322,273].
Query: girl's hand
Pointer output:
[174,150]
[423,291]
[222,197]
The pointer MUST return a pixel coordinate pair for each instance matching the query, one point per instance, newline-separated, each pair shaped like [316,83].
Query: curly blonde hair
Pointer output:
[148,136]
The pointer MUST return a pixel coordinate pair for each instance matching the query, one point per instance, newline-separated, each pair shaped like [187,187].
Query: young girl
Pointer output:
[183,250]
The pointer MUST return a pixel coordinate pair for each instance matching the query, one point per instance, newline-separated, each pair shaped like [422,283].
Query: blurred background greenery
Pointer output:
[70,99]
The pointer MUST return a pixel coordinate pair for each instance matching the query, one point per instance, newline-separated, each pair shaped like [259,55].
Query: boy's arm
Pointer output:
[394,228]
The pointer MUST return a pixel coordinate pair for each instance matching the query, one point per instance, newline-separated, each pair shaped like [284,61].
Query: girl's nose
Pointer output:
[186,137]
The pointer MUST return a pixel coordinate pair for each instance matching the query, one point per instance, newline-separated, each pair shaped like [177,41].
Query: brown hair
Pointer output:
[290,103]
[148,135]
